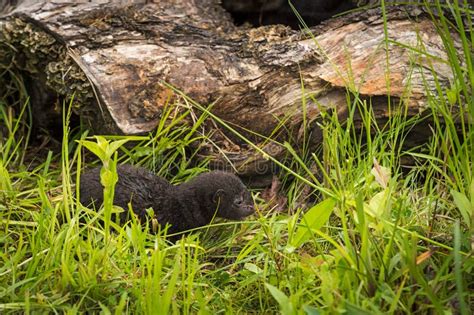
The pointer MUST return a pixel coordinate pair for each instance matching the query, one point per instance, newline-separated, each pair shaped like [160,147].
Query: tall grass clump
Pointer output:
[59,256]
[374,236]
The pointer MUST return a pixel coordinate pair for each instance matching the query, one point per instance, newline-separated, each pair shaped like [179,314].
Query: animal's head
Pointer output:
[227,194]
[234,201]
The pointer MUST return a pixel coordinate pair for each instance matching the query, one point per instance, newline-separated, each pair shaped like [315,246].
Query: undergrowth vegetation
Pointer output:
[378,237]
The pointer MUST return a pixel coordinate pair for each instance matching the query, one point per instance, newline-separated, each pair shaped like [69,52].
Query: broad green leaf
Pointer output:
[114,146]
[5,181]
[102,142]
[464,205]
[117,209]
[314,219]
[286,307]
[471,192]
[253,268]
[452,95]
[142,151]
[311,310]
[94,148]
[378,203]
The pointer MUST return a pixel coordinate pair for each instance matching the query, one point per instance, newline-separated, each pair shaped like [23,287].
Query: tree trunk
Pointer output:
[120,61]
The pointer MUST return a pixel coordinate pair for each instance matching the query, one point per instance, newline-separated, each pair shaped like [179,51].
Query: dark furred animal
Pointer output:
[265,12]
[186,206]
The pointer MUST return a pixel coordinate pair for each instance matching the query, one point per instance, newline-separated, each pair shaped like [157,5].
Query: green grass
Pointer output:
[396,241]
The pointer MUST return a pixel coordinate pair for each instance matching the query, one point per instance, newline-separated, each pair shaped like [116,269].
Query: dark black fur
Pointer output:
[186,206]
[265,12]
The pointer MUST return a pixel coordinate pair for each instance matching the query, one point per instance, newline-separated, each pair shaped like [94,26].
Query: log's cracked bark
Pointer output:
[115,58]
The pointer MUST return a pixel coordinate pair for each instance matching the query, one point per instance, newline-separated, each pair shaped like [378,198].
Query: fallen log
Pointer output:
[120,62]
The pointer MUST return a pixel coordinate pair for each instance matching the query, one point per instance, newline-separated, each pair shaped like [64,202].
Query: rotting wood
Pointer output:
[114,59]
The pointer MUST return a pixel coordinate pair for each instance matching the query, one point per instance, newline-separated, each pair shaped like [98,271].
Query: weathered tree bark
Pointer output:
[115,59]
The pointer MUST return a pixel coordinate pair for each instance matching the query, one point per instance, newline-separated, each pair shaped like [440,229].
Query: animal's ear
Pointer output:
[218,195]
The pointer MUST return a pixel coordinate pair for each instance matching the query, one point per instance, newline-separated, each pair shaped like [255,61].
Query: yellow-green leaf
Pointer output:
[314,219]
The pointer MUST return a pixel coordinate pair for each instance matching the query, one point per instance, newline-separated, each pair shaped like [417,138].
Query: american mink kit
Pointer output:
[185,206]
